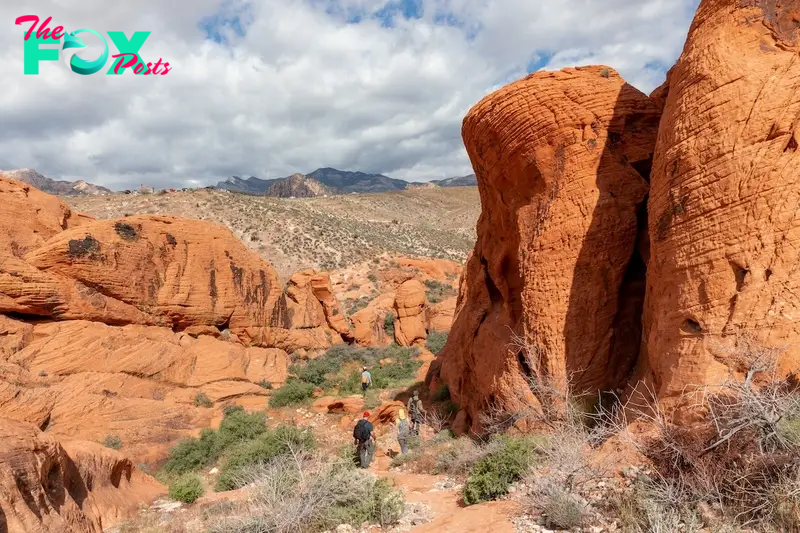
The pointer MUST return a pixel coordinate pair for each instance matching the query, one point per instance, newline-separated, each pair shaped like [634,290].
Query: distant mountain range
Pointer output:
[63,188]
[321,182]
[463,181]
[330,181]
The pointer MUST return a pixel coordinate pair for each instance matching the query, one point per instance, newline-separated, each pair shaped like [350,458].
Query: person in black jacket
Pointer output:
[364,440]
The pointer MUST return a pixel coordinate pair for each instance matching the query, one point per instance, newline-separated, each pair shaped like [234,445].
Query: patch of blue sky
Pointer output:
[231,20]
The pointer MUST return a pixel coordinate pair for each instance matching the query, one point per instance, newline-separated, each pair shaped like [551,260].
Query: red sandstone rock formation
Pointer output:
[79,486]
[723,206]
[410,307]
[562,161]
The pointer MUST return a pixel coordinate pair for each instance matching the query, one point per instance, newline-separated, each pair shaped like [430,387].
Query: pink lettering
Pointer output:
[43,32]
[138,69]
[27,18]
[166,69]
[155,68]
[121,64]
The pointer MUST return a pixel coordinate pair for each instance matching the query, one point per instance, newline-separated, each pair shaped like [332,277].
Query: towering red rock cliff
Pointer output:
[562,161]
[724,199]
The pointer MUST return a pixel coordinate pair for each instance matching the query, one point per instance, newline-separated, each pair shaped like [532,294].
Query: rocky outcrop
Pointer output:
[724,196]
[563,163]
[88,380]
[299,186]
[79,486]
[168,271]
[440,315]
[410,307]
[29,217]
[369,324]
[334,315]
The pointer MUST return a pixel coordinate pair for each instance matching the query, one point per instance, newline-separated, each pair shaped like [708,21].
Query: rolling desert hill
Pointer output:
[323,233]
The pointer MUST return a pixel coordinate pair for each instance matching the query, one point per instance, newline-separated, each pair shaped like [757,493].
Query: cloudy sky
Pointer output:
[272,87]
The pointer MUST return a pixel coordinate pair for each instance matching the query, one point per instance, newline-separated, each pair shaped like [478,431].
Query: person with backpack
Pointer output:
[366,381]
[364,439]
[416,412]
[402,430]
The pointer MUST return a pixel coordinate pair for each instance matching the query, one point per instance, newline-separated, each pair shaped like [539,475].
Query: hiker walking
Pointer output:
[366,381]
[416,412]
[402,430]
[364,440]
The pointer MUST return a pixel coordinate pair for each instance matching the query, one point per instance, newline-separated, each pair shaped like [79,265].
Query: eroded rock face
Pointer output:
[410,307]
[79,486]
[29,217]
[724,197]
[563,162]
[175,272]
[88,380]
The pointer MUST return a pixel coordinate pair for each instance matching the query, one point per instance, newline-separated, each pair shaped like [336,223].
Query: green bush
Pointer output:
[379,504]
[266,447]
[316,370]
[231,408]
[187,488]
[194,453]
[396,371]
[437,291]
[236,427]
[436,341]
[113,442]
[372,277]
[202,400]
[388,324]
[293,392]
[191,454]
[492,475]
[264,384]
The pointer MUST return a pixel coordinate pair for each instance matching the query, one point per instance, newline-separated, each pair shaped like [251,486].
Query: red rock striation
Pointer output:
[563,162]
[723,205]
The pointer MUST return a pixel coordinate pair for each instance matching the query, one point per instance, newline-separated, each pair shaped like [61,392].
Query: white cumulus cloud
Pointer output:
[273,87]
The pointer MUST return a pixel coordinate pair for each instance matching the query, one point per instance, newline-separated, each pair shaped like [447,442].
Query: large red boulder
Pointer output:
[562,161]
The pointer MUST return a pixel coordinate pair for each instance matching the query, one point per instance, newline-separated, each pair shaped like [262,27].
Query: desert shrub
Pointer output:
[460,456]
[311,494]
[742,461]
[264,384]
[563,509]
[191,454]
[396,371]
[491,477]
[202,400]
[436,341]
[236,427]
[437,291]
[317,370]
[293,392]
[352,383]
[187,488]
[388,324]
[113,442]
[372,277]
[605,73]
[194,453]
[229,409]
[274,443]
